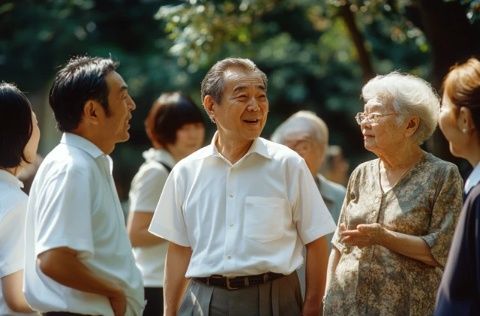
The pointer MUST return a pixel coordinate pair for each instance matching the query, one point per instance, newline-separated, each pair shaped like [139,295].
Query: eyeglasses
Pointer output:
[370,117]
[302,145]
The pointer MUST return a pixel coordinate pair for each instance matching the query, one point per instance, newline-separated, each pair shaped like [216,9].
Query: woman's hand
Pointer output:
[365,235]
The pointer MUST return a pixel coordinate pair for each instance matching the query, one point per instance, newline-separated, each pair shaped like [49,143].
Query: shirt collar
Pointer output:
[10,178]
[473,178]
[82,143]
[259,146]
[159,155]
[327,193]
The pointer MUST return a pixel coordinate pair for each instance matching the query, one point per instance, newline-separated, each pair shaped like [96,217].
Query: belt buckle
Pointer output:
[229,287]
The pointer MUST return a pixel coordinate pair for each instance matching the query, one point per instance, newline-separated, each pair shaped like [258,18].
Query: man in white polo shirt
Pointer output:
[238,212]
[78,256]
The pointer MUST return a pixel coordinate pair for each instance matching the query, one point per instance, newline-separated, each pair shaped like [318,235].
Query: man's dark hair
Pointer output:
[214,81]
[168,114]
[15,125]
[81,80]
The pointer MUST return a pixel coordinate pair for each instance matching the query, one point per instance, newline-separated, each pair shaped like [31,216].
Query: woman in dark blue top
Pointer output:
[459,292]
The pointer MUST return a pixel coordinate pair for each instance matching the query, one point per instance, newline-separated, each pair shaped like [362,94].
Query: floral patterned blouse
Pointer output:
[425,202]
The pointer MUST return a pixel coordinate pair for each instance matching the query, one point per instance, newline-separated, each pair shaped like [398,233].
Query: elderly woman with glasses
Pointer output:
[400,210]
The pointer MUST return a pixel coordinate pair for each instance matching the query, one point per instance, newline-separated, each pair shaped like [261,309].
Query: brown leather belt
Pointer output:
[235,283]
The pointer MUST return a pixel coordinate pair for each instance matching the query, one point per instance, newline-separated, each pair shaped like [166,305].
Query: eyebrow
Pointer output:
[243,88]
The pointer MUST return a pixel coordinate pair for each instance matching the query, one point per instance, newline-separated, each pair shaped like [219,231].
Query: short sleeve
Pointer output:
[64,213]
[445,212]
[12,239]
[311,215]
[147,186]
[168,220]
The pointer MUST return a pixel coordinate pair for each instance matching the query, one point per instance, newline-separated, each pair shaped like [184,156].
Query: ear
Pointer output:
[92,112]
[412,126]
[209,106]
[465,120]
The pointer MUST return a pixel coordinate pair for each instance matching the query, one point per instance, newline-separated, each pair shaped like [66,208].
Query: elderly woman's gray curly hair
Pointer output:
[409,96]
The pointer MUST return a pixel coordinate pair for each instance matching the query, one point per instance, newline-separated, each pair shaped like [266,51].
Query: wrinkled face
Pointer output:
[448,120]
[242,112]
[384,134]
[121,105]
[189,138]
[30,150]
[305,145]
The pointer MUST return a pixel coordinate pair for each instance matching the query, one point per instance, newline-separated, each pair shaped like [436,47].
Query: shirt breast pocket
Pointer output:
[265,218]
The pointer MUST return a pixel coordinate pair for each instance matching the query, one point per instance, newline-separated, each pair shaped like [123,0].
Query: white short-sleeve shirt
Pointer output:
[247,218]
[73,203]
[13,206]
[144,194]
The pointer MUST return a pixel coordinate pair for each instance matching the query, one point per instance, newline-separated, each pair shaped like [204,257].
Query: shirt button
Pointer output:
[231,225]
[230,195]
[229,257]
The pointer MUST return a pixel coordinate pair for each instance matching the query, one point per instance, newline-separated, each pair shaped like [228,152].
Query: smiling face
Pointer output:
[120,105]
[242,112]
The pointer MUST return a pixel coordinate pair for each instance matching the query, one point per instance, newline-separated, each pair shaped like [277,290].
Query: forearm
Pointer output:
[12,292]
[63,266]
[144,238]
[138,223]
[410,246]
[175,283]
[315,275]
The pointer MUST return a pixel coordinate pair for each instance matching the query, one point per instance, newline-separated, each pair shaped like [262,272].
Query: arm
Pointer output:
[315,276]
[12,293]
[138,223]
[73,273]
[175,283]
[375,234]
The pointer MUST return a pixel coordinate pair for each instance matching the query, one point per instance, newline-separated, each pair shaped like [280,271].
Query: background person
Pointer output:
[238,212]
[78,257]
[175,128]
[459,292]
[19,137]
[335,167]
[307,134]
[400,210]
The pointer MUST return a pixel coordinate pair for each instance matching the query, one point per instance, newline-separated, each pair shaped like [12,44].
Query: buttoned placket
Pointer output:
[230,215]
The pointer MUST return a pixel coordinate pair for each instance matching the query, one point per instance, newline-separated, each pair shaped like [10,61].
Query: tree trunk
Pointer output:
[358,40]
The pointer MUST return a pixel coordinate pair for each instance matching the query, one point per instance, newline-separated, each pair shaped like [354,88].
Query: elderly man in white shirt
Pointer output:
[238,212]
[78,256]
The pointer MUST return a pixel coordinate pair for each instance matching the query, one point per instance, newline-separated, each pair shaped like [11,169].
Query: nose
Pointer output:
[253,105]
[131,104]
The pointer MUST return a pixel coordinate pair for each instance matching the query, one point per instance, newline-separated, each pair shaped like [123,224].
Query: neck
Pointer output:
[402,158]
[14,171]
[232,150]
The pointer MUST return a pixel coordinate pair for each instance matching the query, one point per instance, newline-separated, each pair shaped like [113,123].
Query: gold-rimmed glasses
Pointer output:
[369,118]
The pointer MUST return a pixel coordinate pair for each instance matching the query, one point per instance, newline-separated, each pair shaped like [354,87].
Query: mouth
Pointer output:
[252,121]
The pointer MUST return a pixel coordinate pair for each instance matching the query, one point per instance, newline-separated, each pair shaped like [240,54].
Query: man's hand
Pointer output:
[365,235]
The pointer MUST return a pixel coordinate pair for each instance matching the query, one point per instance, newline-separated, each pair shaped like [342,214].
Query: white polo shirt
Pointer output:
[243,219]
[73,203]
[13,206]
[144,194]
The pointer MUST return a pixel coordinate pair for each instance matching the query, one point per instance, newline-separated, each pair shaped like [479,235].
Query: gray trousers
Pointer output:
[279,297]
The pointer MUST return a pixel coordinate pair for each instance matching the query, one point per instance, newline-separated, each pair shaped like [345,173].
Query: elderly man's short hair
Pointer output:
[409,95]
[302,121]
